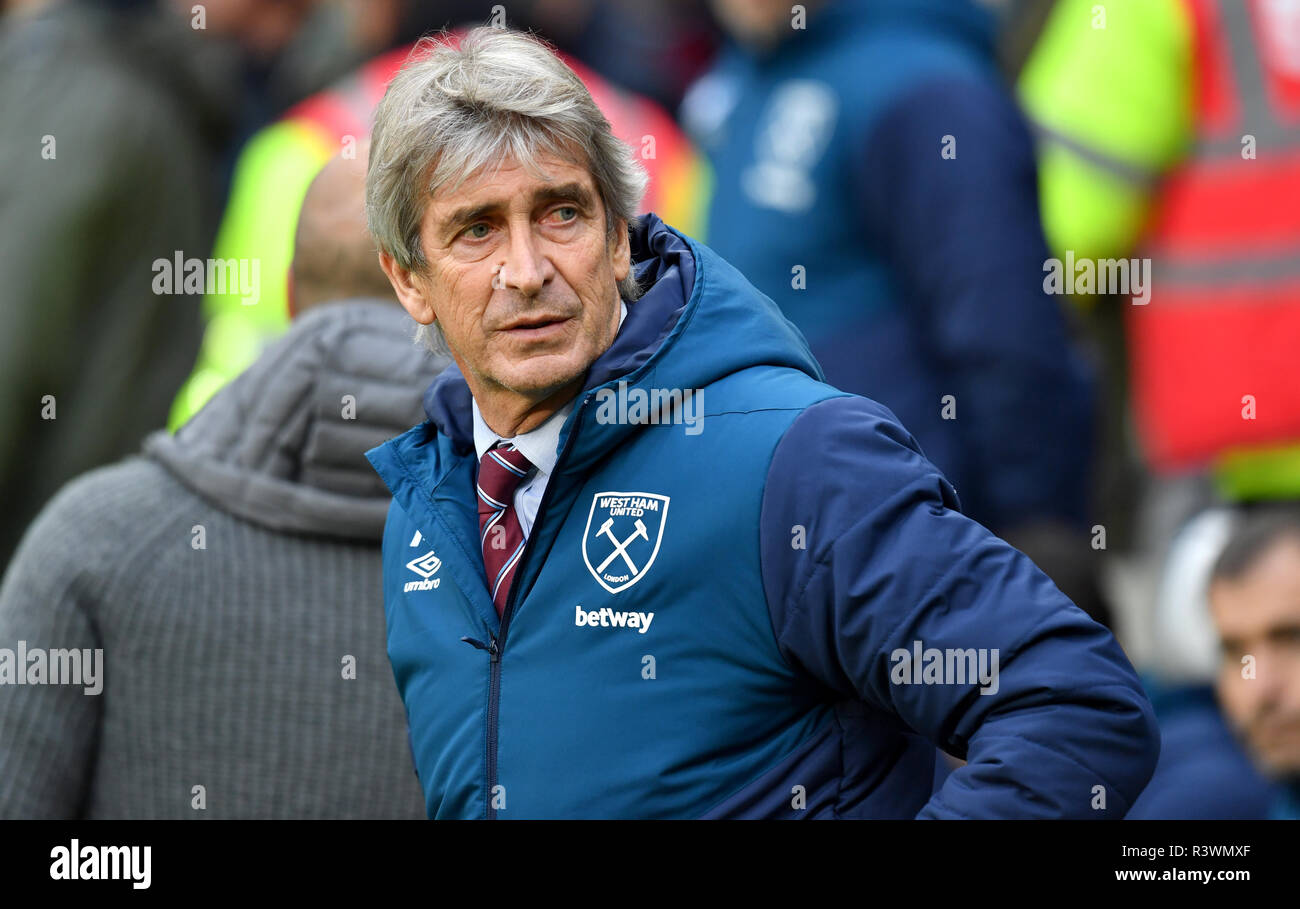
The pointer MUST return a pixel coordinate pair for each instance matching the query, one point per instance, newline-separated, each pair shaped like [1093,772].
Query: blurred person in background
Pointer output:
[874,178]
[120,120]
[654,49]
[1170,130]
[253,37]
[1204,772]
[1255,601]
[277,164]
[112,129]
[230,579]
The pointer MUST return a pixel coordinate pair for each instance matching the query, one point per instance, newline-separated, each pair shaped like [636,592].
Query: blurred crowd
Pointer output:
[1059,239]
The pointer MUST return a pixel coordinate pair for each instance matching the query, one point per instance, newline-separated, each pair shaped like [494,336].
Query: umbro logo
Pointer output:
[426,566]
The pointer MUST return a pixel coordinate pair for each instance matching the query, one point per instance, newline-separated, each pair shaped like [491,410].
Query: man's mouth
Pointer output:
[1274,739]
[1277,731]
[536,327]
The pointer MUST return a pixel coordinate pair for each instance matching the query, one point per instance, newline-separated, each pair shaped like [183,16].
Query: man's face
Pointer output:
[522,278]
[1258,615]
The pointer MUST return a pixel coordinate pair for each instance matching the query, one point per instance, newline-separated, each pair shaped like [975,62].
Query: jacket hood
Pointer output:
[968,21]
[698,321]
[283,446]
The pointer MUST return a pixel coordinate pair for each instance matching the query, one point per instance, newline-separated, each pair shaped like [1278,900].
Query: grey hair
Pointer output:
[451,111]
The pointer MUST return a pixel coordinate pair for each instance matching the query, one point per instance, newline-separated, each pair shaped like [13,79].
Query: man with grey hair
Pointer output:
[641,560]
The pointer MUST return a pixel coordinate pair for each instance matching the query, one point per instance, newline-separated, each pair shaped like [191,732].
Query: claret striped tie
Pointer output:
[501,537]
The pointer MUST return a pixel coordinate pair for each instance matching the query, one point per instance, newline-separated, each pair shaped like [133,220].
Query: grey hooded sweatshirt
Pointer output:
[198,632]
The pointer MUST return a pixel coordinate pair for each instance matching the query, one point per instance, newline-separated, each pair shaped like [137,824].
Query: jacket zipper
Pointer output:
[493,648]
[496,644]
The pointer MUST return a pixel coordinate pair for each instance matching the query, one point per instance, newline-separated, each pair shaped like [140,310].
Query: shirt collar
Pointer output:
[538,445]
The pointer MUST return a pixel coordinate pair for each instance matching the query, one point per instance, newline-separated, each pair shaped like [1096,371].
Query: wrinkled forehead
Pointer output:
[543,166]
[511,173]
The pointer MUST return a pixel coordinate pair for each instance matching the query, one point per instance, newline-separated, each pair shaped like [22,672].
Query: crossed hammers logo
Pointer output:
[620,549]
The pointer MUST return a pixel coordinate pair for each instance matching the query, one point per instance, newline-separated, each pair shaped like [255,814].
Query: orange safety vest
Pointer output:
[1215,352]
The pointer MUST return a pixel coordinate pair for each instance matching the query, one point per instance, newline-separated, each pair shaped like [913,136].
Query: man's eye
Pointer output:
[477,231]
[1288,636]
[572,212]
[1230,652]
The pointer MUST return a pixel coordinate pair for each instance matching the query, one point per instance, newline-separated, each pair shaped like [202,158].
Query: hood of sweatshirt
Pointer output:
[283,445]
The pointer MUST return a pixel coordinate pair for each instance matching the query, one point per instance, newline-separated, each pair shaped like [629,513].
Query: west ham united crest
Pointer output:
[624,530]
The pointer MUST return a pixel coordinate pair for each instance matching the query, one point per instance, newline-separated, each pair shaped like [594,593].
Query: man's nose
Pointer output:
[527,267]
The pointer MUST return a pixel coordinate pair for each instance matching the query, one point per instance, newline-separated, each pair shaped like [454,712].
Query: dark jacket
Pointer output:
[875,179]
[1203,773]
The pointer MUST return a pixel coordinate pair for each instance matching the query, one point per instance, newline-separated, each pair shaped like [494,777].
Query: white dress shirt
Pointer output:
[540,446]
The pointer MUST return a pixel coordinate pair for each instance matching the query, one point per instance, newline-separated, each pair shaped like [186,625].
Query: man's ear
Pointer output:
[622,251]
[409,293]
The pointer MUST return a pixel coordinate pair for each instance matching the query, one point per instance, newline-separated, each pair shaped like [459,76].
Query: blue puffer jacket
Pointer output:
[708,619]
